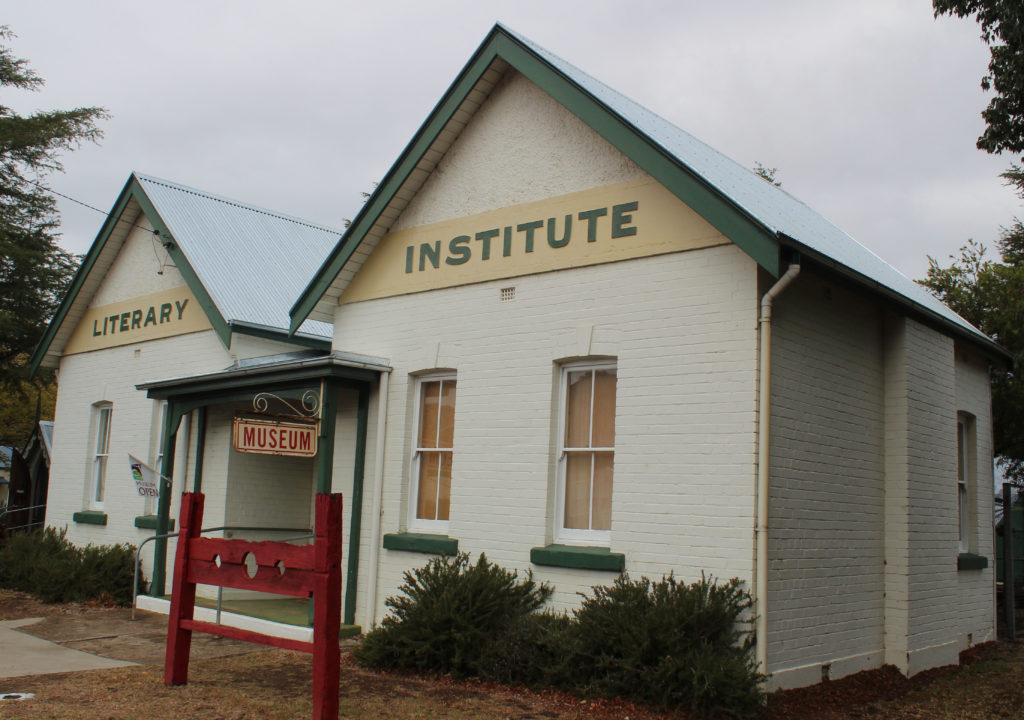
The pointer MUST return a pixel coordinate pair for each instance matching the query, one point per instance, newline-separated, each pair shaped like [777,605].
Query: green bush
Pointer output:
[668,644]
[48,565]
[452,617]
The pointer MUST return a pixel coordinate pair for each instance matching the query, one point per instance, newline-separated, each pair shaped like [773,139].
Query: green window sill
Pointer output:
[571,556]
[149,522]
[90,517]
[970,561]
[422,543]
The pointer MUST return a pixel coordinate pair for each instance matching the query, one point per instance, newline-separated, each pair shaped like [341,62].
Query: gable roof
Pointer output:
[761,218]
[241,262]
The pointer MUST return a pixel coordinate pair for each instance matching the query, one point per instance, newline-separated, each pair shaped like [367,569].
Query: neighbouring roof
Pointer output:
[761,218]
[243,263]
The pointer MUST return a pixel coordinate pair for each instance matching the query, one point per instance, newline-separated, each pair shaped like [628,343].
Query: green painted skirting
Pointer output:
[570,556]
[970,561]
[90,517]
[148,522]
[415,542]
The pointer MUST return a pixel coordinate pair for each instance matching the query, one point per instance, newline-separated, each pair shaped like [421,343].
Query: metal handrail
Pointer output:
[7,509]
[244,528]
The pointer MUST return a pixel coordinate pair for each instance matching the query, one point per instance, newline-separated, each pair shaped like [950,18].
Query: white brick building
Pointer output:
[569,335]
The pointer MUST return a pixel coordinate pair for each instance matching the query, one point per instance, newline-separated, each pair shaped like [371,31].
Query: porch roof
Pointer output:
[286,368]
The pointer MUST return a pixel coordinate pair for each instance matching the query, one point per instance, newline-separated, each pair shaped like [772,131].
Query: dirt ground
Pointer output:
[231,679]
[108,631]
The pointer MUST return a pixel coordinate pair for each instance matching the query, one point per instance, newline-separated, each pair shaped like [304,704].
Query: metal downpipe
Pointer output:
[763,437]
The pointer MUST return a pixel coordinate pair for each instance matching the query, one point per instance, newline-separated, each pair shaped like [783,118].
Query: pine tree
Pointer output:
[34,270]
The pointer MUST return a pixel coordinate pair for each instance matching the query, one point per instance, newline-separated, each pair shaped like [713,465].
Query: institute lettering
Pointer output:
[139,318]
[590,226]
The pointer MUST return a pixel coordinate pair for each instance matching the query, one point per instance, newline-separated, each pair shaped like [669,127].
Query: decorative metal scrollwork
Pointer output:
[310,402]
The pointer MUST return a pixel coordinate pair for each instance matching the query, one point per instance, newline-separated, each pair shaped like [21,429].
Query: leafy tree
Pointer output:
[1002,27]
[34,270]
[990,294]
[19,410]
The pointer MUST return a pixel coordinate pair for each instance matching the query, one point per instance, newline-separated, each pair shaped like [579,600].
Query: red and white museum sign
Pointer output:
[275,437]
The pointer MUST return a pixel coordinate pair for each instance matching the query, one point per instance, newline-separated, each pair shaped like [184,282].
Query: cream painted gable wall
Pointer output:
[142,268]
[680,326]
[521,147]
[110,375]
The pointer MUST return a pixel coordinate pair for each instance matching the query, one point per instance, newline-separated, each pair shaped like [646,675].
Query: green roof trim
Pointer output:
[748,233]
[132,190]
[181,263]
[113,217]
[281,336]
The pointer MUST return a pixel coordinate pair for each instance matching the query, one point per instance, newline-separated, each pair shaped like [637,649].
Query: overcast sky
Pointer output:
[869,109]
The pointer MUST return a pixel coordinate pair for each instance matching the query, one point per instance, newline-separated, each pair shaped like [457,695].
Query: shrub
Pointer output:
[668,644]
[48,565]
[452,617]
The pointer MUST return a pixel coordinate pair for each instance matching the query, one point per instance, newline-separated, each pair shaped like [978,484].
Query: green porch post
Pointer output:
[356,503]
[197,480]
[325,450]
[168,443]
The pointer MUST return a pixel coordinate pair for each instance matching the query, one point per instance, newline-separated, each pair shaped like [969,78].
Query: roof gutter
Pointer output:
[763,438]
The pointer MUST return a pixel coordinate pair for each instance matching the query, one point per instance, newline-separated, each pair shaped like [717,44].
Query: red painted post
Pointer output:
[313,571]
[183,595]
[327,608]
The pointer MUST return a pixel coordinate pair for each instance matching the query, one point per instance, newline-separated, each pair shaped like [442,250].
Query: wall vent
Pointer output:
[507,294]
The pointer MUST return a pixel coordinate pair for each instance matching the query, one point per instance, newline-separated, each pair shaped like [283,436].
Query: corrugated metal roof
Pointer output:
[251,261]
[770,205]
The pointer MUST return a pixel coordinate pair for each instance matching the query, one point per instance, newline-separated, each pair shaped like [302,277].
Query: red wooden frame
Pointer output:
[312,571]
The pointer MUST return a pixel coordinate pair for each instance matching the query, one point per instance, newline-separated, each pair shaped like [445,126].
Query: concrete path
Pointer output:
[22,654]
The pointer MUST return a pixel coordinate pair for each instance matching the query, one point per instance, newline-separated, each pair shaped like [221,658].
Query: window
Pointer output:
[964,478]
[586,454]
[102,415]
[430,498]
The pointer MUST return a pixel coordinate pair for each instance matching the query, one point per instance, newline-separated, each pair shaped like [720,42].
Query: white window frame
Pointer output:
[103,415]
[965,481]
[416,524]
[562,534]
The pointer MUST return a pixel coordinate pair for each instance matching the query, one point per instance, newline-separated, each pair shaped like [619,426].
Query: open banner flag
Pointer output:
[147,480]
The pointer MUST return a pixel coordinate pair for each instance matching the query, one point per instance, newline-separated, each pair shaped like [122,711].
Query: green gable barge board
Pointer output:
[220,326]
[758,216]
[222,249]
[114,222]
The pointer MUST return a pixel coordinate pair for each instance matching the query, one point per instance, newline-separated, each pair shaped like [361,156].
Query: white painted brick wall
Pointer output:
[932,582]
[826,540]
[977,587]
[684,421]
[110,376]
